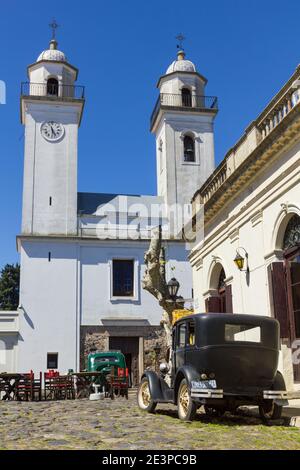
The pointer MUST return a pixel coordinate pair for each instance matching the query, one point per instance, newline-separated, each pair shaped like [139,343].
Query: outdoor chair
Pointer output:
[24,387]
[58,387]
[64,387]
[49,384]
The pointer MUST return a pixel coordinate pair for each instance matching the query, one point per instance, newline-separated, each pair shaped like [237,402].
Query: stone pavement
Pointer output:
[119,424]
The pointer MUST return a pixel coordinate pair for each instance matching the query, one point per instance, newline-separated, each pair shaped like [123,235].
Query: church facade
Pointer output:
[249,259]
[82,254]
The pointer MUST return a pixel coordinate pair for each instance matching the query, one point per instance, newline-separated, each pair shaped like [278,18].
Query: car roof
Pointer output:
[230,317]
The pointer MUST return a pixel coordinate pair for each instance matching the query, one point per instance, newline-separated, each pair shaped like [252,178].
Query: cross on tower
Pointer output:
[53,26]
[180,38]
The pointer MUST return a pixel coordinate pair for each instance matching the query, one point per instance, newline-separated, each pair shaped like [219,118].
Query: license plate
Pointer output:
[204,384]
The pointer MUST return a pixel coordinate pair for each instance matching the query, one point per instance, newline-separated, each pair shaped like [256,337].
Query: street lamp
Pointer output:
[173,288]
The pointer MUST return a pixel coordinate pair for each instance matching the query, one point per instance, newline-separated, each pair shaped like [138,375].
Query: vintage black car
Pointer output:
[221,361]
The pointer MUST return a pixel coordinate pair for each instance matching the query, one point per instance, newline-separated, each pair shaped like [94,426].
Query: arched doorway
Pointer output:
[284,281]
[220,300]
[291,247]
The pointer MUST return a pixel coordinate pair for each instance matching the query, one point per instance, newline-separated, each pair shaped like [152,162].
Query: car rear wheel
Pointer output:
[144,397]
[185,405]
[269,410]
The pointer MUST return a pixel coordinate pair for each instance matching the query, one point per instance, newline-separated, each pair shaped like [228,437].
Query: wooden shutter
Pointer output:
[278,297]
[228,299]
[213,305]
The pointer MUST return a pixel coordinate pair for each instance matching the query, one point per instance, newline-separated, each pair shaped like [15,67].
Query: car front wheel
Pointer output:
[144,397]
[185,405]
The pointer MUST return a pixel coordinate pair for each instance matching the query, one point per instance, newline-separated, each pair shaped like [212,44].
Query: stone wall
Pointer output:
[98,337]
[154,337]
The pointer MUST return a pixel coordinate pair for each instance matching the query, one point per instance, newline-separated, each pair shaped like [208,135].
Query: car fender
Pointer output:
[279,384]
[185,372]
[154,385]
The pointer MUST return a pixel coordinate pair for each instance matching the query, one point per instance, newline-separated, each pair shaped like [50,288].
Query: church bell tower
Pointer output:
[51,111]
[182,122]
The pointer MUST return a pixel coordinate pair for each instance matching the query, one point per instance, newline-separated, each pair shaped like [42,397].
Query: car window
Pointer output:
[247,333]
[181,333]
[191,334]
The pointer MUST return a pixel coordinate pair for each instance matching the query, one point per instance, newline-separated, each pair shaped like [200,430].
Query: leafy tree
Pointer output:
[9,287]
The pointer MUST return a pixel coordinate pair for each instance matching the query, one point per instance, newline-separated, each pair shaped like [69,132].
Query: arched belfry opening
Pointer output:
[220,300]
[52,87]
[186,97]
[189,148]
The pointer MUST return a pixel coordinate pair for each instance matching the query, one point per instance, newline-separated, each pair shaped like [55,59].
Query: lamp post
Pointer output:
[173,288]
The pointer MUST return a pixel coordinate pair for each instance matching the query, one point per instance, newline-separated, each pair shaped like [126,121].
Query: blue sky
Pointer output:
[246,49]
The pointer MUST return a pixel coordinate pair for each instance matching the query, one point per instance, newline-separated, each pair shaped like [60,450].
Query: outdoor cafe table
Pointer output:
[8,385]
[84,381]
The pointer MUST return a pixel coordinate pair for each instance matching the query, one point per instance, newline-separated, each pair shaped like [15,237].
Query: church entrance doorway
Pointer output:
[291,246]
[129,346]
[220,300]
[284,281]
[292,262]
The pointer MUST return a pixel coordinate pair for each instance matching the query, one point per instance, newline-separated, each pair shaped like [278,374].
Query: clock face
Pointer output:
[52,130]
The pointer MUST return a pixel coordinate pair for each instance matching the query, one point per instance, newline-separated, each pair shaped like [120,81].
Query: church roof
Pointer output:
[181,66]
[52,53]
[89,203]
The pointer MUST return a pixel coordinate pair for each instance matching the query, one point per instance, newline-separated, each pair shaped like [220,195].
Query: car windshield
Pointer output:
[106,359]
[244,333]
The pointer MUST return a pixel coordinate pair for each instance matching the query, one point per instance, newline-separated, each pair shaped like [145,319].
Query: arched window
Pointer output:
[292,233]
[186,97]
[221,283]
[189,149]
[52,87]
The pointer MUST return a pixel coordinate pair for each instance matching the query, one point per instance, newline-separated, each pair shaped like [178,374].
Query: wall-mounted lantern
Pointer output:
[240,260]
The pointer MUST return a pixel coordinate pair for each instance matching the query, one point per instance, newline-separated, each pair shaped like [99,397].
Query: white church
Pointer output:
[82,254]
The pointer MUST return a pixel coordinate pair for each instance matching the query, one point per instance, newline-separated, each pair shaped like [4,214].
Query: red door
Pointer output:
[293,294]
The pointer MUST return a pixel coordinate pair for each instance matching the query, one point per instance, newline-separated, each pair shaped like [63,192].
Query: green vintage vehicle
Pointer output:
[106,362]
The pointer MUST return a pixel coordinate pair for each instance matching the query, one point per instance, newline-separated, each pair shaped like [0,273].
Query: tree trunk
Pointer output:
[154,281]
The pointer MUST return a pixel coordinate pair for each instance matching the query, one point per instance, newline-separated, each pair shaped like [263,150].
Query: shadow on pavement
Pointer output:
[243,417]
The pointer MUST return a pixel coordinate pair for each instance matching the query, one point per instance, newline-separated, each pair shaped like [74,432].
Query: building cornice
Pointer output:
[51,100]
[282,137]
[65,64]
[180,72]
[250,208]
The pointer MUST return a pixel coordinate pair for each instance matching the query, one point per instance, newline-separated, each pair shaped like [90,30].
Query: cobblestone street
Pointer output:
[119,424]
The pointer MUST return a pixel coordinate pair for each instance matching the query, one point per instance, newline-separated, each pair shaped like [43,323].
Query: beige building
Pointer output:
[252,214]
